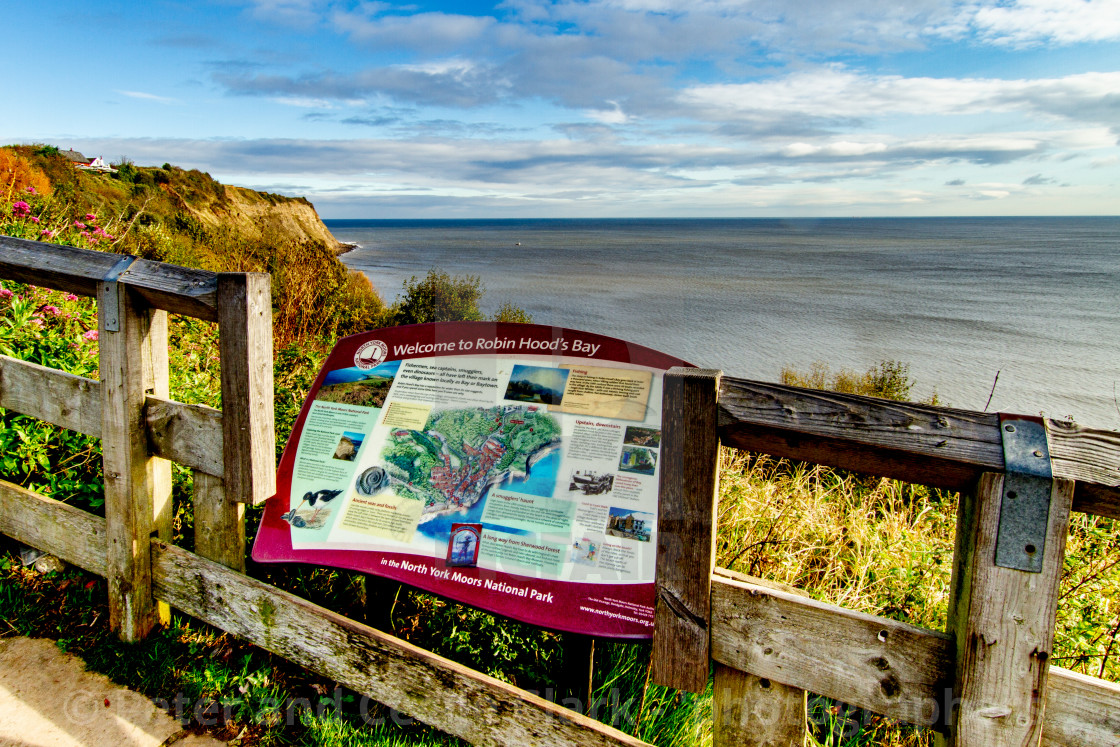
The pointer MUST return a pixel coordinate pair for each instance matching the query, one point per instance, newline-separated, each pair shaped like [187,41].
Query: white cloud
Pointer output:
[303,102]
[431,32]
[835,93]
[1061,21]
[612,116]
[150,97]
[294,13]
[833,149]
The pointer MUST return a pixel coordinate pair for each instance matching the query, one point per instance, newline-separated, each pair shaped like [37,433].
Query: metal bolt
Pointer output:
[1038,453]
[1009,428]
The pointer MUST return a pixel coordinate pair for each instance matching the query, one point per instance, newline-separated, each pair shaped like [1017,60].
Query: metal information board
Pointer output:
[512,467]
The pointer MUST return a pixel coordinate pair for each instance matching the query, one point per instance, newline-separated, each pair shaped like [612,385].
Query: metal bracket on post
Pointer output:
[1025,506]
[111,311]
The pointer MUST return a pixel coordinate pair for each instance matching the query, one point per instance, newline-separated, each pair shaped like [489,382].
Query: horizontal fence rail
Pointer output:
[887,667]
[936,446]
[190,435]
[180,290]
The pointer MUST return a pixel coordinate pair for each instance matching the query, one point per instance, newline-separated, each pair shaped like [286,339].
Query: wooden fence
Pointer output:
[985,682]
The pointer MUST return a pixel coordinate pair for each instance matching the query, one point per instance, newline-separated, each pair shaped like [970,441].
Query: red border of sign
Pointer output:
[625,610]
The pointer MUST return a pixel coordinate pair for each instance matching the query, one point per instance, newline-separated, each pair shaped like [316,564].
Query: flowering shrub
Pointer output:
[42,218]
[51,329]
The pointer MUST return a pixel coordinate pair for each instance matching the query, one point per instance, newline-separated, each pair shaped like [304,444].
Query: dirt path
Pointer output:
[47,699]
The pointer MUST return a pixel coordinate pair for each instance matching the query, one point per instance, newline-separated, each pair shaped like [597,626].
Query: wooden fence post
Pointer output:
[750,711]
[576,684]
[132,359]
[1003,619]
[686,526]
[248,429]
[219,523]
[157,382]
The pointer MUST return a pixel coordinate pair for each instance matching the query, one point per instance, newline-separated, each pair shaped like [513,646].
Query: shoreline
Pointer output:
[342,247]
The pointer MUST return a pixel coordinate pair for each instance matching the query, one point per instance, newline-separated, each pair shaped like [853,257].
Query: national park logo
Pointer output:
[371,354]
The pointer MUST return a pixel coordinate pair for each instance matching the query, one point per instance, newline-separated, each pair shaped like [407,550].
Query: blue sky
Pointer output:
[595,108]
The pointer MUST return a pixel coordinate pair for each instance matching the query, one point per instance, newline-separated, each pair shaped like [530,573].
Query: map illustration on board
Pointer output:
[460,453]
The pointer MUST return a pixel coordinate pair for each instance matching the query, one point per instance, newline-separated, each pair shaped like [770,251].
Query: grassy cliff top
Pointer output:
[182,200]
[187,218]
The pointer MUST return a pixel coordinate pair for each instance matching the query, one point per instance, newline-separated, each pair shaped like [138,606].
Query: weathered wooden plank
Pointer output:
[155,367]
[885,666]
[1003,622]
[929,445]
[157,384]
[180,290]
[839,653]
[219,523]
[437,691]
[68,401]
[245,344]
[686,527]
[935,446]
[63,268]
[770,712]
[750,711]
[1081,711]
[1092,458]
[124,332]
[76,536]
[190,435]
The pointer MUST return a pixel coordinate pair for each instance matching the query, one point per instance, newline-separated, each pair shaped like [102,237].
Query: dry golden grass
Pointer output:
[875,545]
[886,548]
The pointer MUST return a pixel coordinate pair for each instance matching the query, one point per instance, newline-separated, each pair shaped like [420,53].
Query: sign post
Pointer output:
[512,467]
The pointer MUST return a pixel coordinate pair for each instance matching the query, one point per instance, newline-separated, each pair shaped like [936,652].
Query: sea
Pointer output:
[1006,314]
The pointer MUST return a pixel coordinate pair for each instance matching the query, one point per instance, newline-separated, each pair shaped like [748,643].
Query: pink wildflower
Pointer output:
[79,224]
[20,208]
[37,322]
[91,217]
[91,335]
[47,234]
[5,293]
[31,190]
[71,297]
[99,231]
[34,219]
[52,310]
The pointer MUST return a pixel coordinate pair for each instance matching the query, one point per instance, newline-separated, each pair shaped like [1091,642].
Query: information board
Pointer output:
[512,467]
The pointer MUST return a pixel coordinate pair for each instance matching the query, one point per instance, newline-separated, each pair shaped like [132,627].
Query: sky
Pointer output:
[590,108]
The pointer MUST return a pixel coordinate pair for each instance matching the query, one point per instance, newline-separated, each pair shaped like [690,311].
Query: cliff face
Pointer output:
[253,213]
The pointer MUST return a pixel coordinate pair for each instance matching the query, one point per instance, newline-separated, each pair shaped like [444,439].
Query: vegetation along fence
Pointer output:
[985,681]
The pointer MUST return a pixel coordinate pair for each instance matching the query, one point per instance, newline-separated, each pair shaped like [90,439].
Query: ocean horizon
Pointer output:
[957,299]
